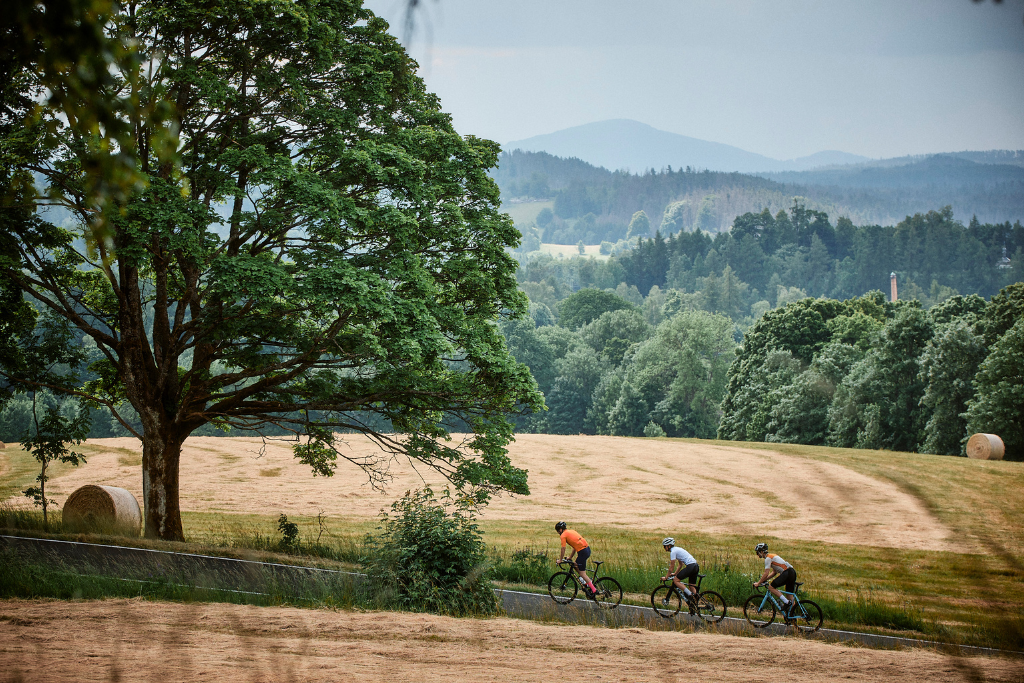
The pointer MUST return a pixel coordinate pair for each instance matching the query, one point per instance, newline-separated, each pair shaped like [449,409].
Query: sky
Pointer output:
[783,78]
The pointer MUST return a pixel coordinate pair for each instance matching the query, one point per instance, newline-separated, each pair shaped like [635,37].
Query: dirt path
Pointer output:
[135,640]
[635,483]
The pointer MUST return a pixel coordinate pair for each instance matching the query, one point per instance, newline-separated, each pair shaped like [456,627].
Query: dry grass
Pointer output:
[636,484]
[131,640]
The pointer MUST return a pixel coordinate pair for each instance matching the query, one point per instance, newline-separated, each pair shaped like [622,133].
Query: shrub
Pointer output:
[429,555]
[289,533]
[653,429]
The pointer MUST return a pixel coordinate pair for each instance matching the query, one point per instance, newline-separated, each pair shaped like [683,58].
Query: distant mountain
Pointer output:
[626,144]
[829,157]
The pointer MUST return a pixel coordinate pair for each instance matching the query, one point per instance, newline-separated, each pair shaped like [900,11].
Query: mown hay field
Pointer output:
[137,640]
[936,537]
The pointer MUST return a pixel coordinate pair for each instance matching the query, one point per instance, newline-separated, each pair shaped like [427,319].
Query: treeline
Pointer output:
[932,254]
[769,258]
[860,373]
[866,373]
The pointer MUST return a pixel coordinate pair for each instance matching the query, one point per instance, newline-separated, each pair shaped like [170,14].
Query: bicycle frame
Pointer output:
[768,595]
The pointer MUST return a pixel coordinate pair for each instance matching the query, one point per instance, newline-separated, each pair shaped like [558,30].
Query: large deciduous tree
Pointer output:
[309,245]
[998,406]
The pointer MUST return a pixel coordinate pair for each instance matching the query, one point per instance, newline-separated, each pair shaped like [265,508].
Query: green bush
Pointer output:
[289,532]
[523,565]
[429,555]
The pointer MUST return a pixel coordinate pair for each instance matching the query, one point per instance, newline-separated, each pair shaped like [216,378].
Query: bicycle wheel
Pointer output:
[609,593]
[666,601]
[758,616]
[562,588]
[711,607]
[812,622]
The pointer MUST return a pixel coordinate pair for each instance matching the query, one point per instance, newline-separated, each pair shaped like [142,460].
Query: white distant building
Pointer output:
[1004,262]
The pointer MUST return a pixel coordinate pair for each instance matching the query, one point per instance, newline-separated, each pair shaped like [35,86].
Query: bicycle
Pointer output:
[563,587]
[667,601]
[760,610]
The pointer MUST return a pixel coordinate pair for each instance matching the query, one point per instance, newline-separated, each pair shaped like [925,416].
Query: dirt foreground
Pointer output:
[136,640]
[634,483]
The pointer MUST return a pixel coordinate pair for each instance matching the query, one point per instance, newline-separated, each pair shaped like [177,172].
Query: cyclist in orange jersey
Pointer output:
[580,548]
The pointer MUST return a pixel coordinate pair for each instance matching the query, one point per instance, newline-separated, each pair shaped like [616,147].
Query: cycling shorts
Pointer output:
[690,572]
[581,559]
[787,578]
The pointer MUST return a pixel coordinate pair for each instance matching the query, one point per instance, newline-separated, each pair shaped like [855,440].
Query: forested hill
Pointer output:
[579,189]
[881,194]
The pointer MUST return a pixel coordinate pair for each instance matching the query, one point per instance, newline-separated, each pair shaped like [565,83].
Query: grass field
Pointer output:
[525,213]
[568,250]
[925,545]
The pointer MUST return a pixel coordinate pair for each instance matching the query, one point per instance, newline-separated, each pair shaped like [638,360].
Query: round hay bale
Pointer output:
[985,447]
[106,508]
[2,446]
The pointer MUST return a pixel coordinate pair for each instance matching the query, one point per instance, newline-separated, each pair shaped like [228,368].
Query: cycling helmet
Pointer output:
[560,527]
[668,541]
[761,547]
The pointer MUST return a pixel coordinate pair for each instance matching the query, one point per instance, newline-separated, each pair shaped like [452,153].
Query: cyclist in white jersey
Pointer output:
[783,572]
[687,567]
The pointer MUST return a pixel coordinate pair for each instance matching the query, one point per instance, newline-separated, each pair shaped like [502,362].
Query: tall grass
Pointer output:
[344,550]
[861,608]
[24,578]
[256,536]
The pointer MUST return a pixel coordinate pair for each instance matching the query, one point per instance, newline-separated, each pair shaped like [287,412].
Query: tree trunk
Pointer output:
[160,459]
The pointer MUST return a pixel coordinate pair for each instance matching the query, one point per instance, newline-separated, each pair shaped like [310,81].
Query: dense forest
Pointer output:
[642,342]
[866,373]
[764,257]
[593,204]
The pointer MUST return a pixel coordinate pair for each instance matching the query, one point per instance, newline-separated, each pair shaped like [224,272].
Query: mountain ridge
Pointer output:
[625,144]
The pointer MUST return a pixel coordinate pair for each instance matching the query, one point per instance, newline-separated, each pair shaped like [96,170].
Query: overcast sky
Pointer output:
[784,78]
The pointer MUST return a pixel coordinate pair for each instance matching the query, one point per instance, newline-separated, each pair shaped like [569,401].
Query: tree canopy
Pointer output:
[587,305]
[310,248]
